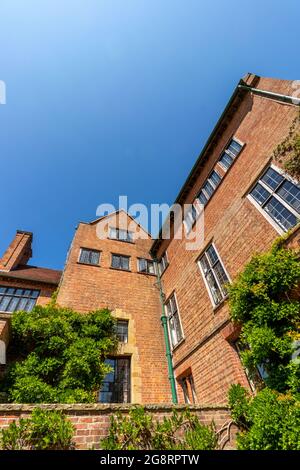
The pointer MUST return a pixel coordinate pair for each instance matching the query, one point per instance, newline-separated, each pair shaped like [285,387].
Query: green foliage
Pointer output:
[289,150]
[139,431]
[269,421]
[261,301]
[44,430]
[59,355]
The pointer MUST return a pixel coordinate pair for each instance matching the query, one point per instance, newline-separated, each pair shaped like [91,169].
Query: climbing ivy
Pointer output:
[288,151]
[263,302]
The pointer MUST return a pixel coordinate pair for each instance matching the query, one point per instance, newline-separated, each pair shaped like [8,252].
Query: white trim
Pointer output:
[216,279]
[266,215]
[2,352]
[173,347]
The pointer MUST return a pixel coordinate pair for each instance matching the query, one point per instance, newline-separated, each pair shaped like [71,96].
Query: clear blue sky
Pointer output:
[109,97]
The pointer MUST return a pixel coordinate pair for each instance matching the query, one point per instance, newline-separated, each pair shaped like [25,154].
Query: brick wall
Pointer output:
[238,230]
[130,295]
[92,421]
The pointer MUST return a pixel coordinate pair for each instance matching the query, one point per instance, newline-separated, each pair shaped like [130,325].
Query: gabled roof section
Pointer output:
[117,213]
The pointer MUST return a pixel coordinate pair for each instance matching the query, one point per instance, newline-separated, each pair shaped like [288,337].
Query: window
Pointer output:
[188,389]
[116,384]
[174,321]
[88,256]
[258,376]
[120,262]
[191,216]
[119,234]
[278,197]
[146,266]
[122,330]
[230,154]
[214,275]
[209,187]
[12,299]
[163,263]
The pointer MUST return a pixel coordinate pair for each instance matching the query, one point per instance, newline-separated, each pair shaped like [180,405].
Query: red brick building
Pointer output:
[248,201]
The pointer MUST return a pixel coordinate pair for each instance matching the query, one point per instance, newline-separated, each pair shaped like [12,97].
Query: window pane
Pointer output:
[2,290]
[124,262]
[260,194]
[214,288]
[208,188]
[112,233]
[115,262]
[212,255]
[142,265]
[272,178]
[221,276]
[4,303]
[204,264]
[215,178]
[122,330]
[226,160]
[291,194]
[202,198]
[95,257]
[151,269]
[234,147]
[116,384]
[280,214]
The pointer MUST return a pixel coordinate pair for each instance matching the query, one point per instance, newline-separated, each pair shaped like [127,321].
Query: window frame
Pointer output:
[120,256]
[122,320]
[186,387]
[128,383]
[147,264]
[168,301]
[231,154]
[272,193]
[117,238]
[166,263]
[13,296]
[211,266]
[90,250]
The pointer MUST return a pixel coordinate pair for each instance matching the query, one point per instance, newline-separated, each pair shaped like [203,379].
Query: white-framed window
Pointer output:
[209,187]
[214,274]
[278,197]
[146,266]
[88,256]
[163,263]
[120,234]
[230,153]
[192,215]
[120,262]
[174,323]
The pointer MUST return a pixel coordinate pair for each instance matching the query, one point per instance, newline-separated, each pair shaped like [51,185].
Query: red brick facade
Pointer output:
[237,229]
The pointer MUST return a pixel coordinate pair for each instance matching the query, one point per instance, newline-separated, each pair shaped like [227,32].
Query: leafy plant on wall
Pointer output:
[264,299]
[59,355]
[288,151]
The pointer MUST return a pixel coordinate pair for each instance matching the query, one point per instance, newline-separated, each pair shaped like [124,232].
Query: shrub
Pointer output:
[261,301]
[269,421]
[59,355]
[140,431]
[44,430]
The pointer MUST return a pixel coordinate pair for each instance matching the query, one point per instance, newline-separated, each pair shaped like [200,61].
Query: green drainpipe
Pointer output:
[164,322]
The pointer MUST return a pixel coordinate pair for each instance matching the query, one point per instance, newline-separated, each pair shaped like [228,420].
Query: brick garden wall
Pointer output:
[92,421]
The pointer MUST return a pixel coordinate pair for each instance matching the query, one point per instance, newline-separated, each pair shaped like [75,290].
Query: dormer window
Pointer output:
[120,234]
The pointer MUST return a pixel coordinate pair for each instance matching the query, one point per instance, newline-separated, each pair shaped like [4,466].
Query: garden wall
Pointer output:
[91,421]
